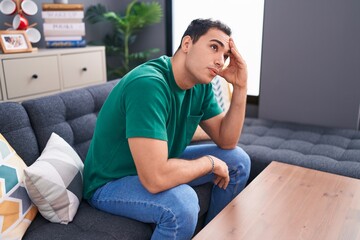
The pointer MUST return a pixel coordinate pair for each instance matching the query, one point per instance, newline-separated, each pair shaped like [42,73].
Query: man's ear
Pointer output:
[186,43]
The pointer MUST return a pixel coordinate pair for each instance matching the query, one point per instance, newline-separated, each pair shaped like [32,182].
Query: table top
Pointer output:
[290,202]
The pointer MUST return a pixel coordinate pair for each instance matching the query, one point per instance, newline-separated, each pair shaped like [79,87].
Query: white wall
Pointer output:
[244,17]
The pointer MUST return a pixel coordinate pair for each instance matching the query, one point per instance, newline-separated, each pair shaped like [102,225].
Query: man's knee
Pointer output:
[185,201]
[245,159]
[182,212]
[238,158]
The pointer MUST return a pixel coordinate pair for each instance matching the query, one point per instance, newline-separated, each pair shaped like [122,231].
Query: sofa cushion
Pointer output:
[222,92]
[15,127]
[16,209]
[54,182]
[90,224]
[72,115]
[333,150]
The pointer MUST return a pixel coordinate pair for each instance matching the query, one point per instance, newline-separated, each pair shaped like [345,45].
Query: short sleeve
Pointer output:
[146,104]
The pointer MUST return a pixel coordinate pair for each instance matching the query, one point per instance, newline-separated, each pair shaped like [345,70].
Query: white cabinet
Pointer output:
[47,71]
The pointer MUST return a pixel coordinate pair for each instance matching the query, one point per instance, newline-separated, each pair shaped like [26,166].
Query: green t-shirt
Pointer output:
[146,103]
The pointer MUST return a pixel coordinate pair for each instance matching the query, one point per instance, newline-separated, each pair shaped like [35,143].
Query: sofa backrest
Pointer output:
[15,127]
[72,115]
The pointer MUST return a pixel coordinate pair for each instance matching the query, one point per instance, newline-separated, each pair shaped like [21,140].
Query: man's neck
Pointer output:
[179,71]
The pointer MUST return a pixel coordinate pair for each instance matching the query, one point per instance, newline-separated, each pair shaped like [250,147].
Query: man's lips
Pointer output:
[214,71]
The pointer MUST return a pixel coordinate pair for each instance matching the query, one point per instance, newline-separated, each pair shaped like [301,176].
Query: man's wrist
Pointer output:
[212,163]
[239,87]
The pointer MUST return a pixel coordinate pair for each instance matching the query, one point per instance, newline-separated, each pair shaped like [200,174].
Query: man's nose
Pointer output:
[220,61]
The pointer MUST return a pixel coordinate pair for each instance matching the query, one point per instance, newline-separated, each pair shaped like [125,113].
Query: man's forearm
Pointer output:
[175,172]
[232,123]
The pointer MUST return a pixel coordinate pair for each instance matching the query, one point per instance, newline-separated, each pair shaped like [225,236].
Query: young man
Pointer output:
[139,164]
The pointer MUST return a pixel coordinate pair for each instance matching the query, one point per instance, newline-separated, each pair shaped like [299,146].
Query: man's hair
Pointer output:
[199,27]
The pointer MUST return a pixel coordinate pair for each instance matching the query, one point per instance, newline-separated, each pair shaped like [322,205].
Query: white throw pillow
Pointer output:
[54,181]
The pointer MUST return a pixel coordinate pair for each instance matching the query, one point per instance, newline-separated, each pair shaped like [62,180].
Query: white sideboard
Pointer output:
[47,71]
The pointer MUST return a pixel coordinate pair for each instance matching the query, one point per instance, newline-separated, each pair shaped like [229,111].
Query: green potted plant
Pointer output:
[137,16]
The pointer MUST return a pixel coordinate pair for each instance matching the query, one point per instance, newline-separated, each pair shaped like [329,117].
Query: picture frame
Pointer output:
[14,41]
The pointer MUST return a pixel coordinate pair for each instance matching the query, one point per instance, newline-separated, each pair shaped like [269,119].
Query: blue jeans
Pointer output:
[174,211]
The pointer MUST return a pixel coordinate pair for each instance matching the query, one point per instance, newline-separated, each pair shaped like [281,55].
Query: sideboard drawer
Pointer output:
[82,69]
[29,76]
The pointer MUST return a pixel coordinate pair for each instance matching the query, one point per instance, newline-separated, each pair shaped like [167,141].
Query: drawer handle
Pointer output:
[84,69]
[35,76]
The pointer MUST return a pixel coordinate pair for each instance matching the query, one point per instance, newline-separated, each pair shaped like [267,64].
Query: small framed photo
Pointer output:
[14,42]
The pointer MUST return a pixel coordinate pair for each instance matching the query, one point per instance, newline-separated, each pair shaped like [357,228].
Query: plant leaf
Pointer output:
[144,54]
[116,19]
[94,14]
[144,14]
[137,16]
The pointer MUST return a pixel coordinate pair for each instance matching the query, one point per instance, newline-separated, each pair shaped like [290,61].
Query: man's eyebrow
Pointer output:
[220,43]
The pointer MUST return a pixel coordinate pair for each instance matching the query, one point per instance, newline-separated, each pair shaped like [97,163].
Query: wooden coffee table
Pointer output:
[290,202]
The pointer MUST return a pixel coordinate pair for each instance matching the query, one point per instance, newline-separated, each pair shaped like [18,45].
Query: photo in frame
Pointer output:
[14,42]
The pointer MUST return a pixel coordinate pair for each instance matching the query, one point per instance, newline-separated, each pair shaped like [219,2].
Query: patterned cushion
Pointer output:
[222,92]
[16,209]
[54,181]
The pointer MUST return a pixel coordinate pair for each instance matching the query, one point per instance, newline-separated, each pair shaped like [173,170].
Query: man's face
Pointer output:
[207,56]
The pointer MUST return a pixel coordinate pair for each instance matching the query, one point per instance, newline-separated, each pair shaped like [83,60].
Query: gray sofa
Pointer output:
[333,150]
[72,115]
[27,126]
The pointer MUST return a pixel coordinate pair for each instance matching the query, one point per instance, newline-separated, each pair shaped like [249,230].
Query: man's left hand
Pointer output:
[236,72]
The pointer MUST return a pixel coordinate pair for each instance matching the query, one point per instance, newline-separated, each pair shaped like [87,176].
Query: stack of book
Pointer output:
[63,25]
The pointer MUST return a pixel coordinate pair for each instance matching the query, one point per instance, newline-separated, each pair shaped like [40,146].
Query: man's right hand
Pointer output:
[221,173]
